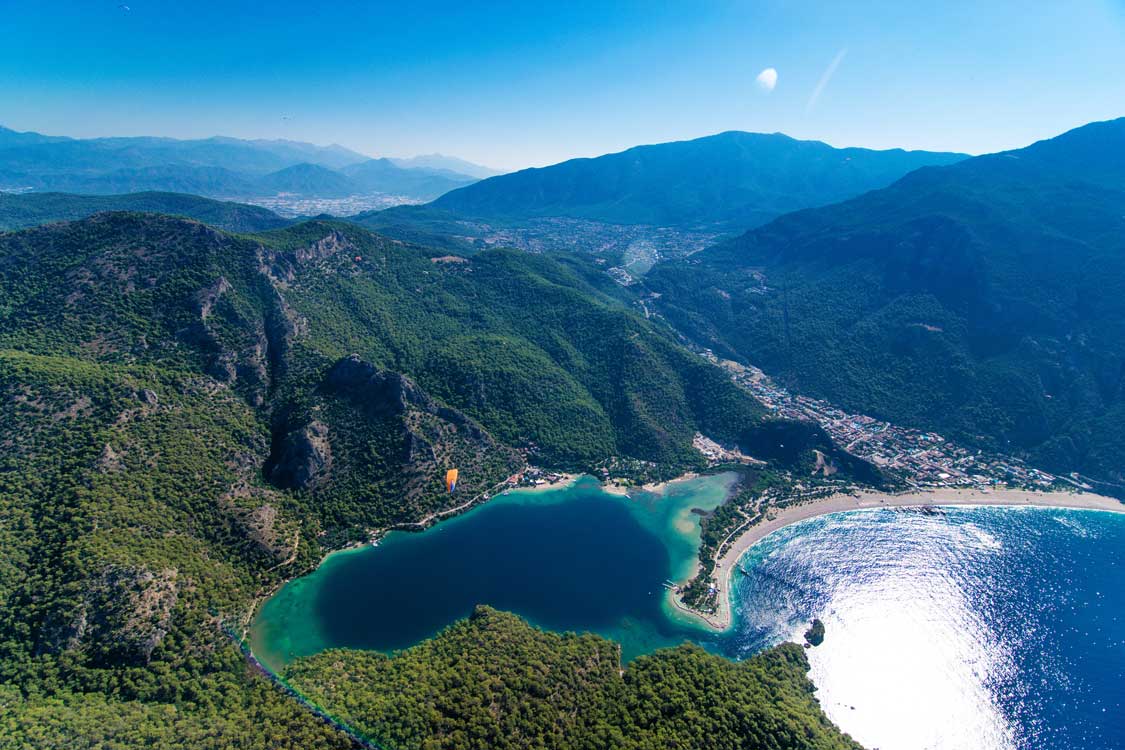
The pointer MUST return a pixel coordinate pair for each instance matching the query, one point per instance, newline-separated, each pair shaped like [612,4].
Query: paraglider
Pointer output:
[451,480]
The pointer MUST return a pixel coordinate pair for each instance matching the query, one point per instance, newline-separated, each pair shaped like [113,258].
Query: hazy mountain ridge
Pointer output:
[447,164]
[216,167]
[384,175]
[731,180]
[18,211]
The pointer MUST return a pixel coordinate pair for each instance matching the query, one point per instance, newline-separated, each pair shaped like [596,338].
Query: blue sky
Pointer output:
[530,83]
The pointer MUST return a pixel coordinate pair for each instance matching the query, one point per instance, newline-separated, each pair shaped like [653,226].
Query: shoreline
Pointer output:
[565,480]
[722,621]
[625,490]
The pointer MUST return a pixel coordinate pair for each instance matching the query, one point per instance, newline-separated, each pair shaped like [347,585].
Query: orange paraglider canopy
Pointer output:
[451,480]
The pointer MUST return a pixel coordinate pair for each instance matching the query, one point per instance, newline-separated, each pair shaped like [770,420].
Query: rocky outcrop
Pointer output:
[331,244]
[371,427]
[383,390]
[303,458]
[280,266]
[124,615]
[108,460]
[208,296]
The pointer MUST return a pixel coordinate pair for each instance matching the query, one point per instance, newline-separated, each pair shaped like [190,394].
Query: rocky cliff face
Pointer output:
[380,429]
[303,458]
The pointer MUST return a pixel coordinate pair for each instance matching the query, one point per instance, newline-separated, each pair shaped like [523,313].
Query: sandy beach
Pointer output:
[777,519]
[611,488]
[562,482]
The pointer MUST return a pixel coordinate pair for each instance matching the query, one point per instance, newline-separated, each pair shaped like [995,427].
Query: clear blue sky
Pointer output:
[530,83]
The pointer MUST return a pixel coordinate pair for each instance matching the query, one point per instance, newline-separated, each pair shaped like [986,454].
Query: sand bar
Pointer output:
[658,488]
[564,481]
[776,519]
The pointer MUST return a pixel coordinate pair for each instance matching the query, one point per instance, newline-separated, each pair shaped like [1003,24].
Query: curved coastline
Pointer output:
[247,619]
[667,524]
[722,620]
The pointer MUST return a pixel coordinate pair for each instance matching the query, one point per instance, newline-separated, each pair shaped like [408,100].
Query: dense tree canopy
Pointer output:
[494,681]
[191,416]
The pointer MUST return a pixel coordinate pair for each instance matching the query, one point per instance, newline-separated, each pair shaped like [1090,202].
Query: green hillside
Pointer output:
[983,300]
[196,416]
[494,681]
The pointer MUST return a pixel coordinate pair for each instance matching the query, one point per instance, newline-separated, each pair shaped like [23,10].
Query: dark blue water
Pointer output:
[556,563]
[981,628]
[976,628]
[572,559]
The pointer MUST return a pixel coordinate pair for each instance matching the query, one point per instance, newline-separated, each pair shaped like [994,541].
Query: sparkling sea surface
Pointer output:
[979,628]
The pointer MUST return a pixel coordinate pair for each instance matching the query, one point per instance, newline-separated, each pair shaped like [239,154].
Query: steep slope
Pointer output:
[132,518]
[18,211]
[730,181]
[463,328]
[983,299]
[194,416]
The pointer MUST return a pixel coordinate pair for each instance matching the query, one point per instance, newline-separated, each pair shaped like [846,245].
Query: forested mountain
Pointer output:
[730,181]
[455,692]
[216,167]
[984,299]
[193,416]
[21,210]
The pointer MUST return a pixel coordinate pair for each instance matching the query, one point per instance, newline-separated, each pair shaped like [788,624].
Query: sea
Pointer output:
[982,628]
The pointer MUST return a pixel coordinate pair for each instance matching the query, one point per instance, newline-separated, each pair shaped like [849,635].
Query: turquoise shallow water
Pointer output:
[984,628]
[569,559]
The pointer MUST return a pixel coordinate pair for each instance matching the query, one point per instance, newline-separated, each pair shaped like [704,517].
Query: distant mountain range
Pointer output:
[31,209]
[985,299]
[729,181]
[443,163]
[215,167]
